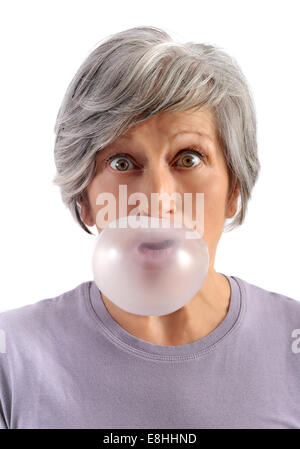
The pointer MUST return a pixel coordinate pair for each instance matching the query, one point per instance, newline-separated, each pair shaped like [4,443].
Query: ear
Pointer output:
[85,213]
[232,202]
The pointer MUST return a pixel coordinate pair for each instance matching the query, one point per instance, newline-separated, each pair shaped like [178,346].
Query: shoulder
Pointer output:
[275,306]
[34,319]
[272,320]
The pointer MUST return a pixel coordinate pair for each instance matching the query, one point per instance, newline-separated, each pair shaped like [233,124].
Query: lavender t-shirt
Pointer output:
[66,363]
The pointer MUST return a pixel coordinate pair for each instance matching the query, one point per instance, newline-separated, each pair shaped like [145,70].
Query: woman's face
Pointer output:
[159,155]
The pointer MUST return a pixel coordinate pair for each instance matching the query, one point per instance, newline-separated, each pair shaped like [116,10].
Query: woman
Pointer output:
[157,116]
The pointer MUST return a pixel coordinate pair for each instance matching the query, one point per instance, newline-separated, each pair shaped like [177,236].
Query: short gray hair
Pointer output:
[135,74]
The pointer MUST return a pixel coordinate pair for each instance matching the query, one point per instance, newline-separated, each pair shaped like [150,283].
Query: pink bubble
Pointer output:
[151,269]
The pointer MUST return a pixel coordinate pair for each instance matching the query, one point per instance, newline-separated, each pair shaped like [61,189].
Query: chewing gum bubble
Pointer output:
[148,265]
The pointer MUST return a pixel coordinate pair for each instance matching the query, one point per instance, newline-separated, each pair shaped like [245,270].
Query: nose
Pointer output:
[158,185]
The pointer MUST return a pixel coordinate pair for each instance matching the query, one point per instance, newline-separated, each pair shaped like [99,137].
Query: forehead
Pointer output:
[173,123]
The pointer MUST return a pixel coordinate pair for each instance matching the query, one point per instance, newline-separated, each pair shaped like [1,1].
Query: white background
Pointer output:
[43,251]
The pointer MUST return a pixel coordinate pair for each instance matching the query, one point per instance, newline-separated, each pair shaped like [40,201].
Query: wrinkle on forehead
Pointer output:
[171,123]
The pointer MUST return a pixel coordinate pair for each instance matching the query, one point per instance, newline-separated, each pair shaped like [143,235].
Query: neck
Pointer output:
[196,319]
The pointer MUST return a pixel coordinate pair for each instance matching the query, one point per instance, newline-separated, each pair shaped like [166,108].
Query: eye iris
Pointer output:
[122,165]
[189,160]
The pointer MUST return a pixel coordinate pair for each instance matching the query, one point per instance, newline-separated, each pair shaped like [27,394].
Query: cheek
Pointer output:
[213,185]
[215,191]
[98,186]
[214,202]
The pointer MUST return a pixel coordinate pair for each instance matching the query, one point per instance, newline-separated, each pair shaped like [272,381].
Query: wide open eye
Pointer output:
[190,157]
[119,162]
